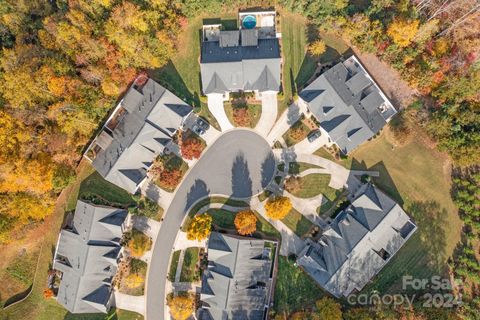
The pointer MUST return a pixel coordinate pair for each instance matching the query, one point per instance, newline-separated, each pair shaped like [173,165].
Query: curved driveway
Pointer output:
[238,164]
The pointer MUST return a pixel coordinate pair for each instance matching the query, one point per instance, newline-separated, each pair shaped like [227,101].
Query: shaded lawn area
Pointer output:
[189,271]
[418,177]
[114,314]
[254,113]
[336,47]
[100,191]
[298,167]
[296,133]
[315,184]
[297,66]
[173,266]
[294,289]
[297,223]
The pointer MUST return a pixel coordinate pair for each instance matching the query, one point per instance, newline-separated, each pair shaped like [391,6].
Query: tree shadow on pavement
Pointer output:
[199,190]
[241,181]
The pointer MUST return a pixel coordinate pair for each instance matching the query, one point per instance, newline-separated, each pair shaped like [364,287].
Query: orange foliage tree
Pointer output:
[241,116]
[278,207]
[191,147]
[170,178]
[47,293]
[245,222]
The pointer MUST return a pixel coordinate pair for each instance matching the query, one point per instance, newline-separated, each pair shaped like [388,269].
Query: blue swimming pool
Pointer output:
[249,22]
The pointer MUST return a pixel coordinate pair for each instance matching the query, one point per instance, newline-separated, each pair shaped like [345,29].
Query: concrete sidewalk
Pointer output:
[157,194]
[286,120]
[129,302]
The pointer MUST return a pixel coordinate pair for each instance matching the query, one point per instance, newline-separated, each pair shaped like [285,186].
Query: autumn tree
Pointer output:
[181,307]
[170,178]
[245,222]
[191,147]
[200,227]
[278,207]
[138,243]
[47,293]
[327,308]
[317,48]
[241,116]
[403,32]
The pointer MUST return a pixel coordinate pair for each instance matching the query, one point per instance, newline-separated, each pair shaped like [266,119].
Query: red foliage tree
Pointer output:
[171,178]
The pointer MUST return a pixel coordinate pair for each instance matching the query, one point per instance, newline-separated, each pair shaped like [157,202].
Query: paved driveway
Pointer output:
[215,105]
[269,113]
[240,163]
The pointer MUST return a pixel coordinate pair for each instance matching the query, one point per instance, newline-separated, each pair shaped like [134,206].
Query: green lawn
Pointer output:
[173,266]
[254,112]
[336,47]
[315,184]
[297,223]
[297,167]
[190,260]
[296,133]
[294,289]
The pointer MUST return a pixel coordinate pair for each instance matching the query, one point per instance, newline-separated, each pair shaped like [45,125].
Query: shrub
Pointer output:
[47,293]
[144,207]
[241,116]
[170,178]
[278,207]
[191,147]
[245,222]
[200,226]
[139,243]
[293,184]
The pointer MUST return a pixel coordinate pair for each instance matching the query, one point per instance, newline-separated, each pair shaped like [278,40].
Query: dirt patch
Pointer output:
[390,80]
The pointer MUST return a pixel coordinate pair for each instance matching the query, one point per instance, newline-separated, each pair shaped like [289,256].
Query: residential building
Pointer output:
[358,242]
[348,104]
[247,59]
[238,281]
[86,256]
[141,127]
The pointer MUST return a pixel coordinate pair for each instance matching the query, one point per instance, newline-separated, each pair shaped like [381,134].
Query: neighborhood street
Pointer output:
[239,155]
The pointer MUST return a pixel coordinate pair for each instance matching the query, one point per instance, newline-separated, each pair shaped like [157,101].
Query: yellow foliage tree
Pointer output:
[139,243]
[403,32]
[25,206]
[199,227]
[317,48]
[245,222]
[181,307]
[133,280]
[278,207]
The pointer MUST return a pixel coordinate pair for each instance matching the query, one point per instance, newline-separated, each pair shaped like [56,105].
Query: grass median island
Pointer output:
[311,185]
[294,289]
[173,266]
[168,171]
[298,223]
[296,133]
[243,115]
[190,271]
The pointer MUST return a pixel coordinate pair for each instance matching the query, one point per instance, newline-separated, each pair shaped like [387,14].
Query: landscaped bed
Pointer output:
[168,171]
[132,276]
[297,132]
[243,115]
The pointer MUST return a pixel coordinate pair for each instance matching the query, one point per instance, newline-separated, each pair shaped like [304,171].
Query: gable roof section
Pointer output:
[353,102]
[153,114]
[235,285]
[87,255]
[246,67]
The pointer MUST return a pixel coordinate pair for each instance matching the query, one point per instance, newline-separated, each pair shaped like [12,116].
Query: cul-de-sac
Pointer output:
[219,160]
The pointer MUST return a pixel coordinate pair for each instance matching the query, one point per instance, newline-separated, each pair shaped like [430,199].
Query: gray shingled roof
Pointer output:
[237,281]
[347,254]
[253,67]
[346,103]
[152,116]
[86,254]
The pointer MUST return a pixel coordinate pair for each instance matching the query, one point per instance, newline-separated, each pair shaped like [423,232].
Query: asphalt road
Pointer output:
[240,163]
